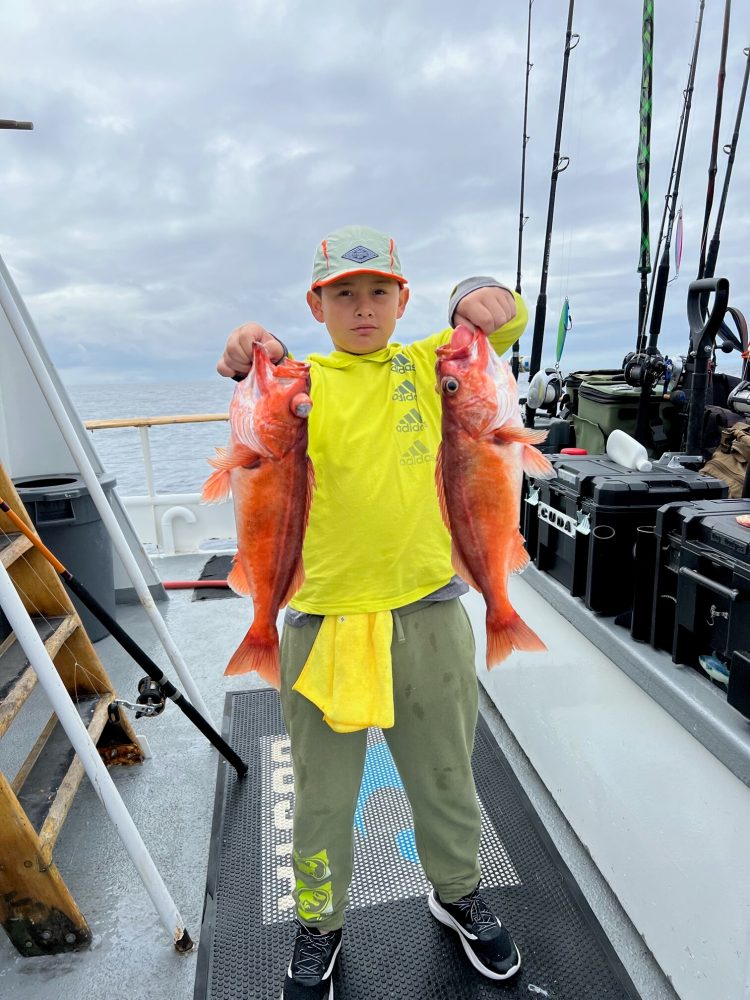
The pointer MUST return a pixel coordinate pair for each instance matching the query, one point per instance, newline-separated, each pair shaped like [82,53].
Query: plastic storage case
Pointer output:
[581,526]
[605,406]
[702,584]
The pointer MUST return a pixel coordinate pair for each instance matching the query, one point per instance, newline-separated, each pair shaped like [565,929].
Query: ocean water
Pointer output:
[179,452]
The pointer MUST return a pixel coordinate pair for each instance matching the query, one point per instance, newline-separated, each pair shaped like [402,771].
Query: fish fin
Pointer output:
[457,559]
[536,464]
[510,433]
[533,461]
[310,489]
[459,564]
[519,556]
[238,455]
[258,651]
[509,633]
[237,579]
[298,578]
[217,487]
[440,485]
[220,459]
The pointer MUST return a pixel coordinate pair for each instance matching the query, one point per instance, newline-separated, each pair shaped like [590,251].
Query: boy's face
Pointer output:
[360,311]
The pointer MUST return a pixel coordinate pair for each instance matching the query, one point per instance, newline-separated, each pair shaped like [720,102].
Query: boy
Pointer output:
[379,582]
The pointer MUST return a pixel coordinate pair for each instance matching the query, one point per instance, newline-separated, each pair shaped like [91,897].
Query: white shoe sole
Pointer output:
[445,918]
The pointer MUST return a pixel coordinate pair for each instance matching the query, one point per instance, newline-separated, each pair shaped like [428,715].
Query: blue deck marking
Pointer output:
[380,772]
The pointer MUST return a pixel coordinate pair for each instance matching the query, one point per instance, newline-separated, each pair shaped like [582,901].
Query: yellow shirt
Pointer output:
[376,539]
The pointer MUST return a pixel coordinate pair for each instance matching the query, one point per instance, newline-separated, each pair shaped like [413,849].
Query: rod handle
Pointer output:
[698,293]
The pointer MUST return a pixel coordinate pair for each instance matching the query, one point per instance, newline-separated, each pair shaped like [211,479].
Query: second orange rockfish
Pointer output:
[479,471]
[270,476]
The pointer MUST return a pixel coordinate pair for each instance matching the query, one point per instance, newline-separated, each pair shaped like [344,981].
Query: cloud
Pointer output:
[186,159]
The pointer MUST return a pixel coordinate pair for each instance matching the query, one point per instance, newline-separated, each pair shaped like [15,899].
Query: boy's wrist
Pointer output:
[284,349]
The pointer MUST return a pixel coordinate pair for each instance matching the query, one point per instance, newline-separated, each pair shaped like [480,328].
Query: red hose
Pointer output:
[188,584]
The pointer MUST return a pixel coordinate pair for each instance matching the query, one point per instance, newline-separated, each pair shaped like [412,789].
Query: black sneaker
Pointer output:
[309,974]
[488,945]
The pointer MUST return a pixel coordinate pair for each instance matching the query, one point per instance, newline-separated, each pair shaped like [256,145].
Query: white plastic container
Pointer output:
[626,451]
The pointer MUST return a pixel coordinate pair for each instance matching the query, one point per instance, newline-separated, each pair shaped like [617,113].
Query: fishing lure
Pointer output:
[563,329]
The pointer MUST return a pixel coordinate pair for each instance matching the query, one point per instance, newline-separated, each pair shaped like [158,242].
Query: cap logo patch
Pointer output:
[359,255]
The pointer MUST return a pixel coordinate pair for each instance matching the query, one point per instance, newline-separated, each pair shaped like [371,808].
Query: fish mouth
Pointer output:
[291,368]
[459,346]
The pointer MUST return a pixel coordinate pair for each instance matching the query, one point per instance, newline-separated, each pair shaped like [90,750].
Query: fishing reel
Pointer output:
[643,369]
[545,390]
[654,369]
[673,374]
[739,398]
[151,701]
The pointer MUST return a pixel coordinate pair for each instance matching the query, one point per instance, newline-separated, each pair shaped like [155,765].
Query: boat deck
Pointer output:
[171,799]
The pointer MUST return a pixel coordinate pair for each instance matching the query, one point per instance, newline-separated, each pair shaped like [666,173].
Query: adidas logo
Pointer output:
[406,392]
[418,454]
[412,423]
[401,364]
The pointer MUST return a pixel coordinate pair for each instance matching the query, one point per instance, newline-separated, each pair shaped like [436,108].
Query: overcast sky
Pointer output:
[187,157]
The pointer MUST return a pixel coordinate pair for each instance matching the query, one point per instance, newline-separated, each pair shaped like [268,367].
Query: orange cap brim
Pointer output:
[359,270]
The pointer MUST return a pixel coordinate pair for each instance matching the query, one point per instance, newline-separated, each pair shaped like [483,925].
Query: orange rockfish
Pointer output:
[270,476]
[478,473]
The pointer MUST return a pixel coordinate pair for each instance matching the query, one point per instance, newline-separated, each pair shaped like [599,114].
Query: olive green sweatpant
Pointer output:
[435,705]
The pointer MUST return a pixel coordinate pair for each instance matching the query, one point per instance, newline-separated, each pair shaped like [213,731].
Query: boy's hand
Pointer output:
[237,358]
[486,309]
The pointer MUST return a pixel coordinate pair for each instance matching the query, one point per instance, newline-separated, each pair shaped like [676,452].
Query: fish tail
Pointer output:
[509,632]
[216,487]
[258,651]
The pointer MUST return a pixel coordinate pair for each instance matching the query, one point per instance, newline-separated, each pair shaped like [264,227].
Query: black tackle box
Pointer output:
[581,526]
[738,692]
[702,588]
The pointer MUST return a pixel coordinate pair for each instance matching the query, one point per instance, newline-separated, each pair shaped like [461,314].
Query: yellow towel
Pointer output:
[348,673]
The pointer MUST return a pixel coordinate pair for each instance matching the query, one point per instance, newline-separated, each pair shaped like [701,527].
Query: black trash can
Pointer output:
[5,628]
[69,524]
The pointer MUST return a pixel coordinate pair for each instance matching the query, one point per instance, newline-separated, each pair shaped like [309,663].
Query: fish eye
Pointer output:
[300,405]
[450,385]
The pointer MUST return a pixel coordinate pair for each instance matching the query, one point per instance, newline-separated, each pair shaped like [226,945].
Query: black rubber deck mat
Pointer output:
[393,947]
[217,568]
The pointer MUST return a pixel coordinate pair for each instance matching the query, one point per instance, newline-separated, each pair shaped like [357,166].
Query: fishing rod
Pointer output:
[644,156]
[730,149]
[141,658]
[12,123]
[675,171]
[729,340]
[712,164]
[522,219]
[646,366]
[559,164]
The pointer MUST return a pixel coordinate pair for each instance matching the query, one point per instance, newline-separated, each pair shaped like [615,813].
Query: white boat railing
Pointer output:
[173,522]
